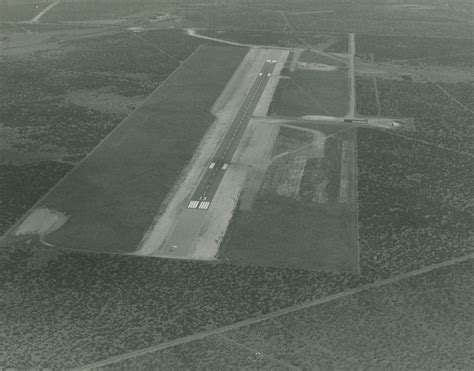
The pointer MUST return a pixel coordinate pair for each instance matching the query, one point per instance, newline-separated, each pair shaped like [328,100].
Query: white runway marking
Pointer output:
[204,205]
[193,204]
[225,166]
[211,166]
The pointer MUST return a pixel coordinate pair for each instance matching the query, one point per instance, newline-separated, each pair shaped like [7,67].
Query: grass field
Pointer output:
[308,92]
[114,195]
[299,219]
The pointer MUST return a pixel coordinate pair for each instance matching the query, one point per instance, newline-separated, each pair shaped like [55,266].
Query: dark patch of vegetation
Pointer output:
[277,96]
[66,126]
[414,202]
[415,50]
[285,71]
[210,353]
[366,103]
[22,185]
[78,308]
[438,119]
[463,92]
[434,305]
[332,167]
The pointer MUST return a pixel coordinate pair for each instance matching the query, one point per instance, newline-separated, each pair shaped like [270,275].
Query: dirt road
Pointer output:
[43,12]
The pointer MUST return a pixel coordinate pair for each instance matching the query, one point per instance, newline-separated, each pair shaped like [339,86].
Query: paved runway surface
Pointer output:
[205,191]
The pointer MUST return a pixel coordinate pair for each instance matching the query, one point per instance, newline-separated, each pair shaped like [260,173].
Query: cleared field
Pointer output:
[312,92]
[305,213]
[111,198]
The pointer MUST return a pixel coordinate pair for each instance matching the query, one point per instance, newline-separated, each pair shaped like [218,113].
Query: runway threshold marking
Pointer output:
[193,204]
[204,205]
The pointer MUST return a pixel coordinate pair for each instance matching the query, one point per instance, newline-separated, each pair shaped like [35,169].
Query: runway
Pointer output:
[207,187]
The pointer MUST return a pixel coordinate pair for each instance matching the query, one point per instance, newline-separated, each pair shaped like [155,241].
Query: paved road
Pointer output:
[205,191]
